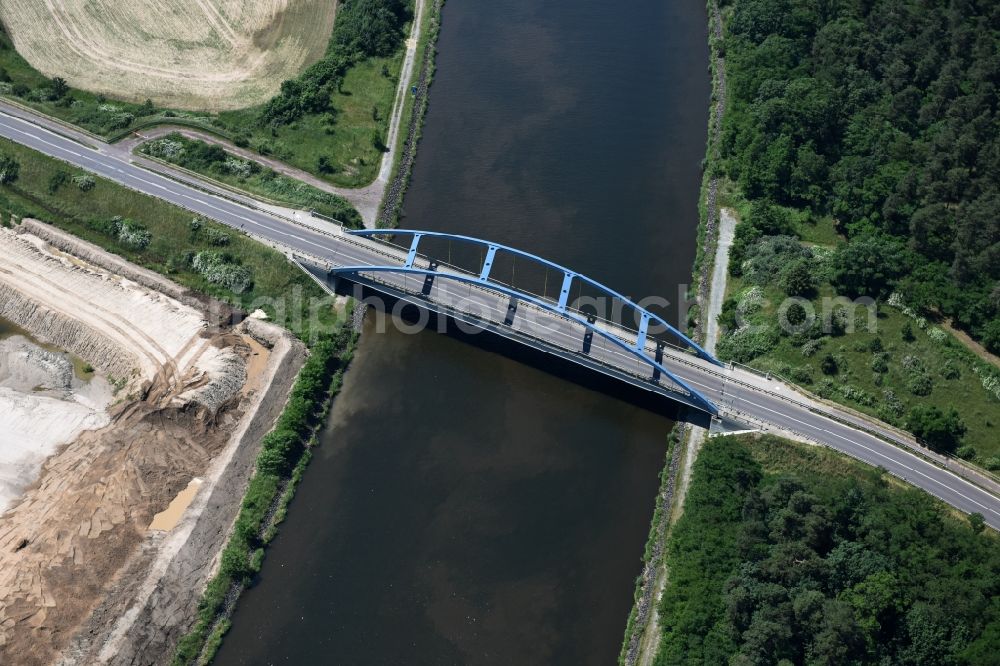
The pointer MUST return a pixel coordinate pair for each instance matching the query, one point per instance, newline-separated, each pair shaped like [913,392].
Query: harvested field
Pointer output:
[149,485]
[189,54]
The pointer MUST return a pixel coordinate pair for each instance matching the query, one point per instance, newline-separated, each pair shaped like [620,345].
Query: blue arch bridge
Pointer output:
[649,356]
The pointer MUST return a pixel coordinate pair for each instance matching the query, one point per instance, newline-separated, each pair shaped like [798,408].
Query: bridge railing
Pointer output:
[630,364]
[423,261]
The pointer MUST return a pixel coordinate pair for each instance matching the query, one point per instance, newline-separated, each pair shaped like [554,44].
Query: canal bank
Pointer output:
[464,507]
[715,235]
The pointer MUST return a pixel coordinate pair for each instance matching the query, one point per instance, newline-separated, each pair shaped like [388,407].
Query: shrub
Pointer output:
[857,395]
[751,301]
[120,121]
[58,179]
[801,374]
[770,255]
[84,181]
[967,452]
[219,269]
[728,315]
[216,237]
[989,378]
[166,148]
[919,383]
[950,370]
[239,168]
[812,346]
[9,169]
[891,403]
[880,362]
[128,232]
[938,336]
[746,344]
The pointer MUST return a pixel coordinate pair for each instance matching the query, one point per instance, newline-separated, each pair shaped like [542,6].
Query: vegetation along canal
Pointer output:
[465,507]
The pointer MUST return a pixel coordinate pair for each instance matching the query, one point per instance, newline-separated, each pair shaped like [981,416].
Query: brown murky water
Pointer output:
[467,505]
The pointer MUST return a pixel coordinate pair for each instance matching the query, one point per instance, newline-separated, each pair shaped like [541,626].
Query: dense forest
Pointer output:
[793,554]
[881,114]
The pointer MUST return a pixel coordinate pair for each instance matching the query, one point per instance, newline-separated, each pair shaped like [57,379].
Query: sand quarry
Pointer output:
[118,486]
[190,54]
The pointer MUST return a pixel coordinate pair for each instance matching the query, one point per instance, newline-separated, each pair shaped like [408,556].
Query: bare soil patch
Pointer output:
[189,54]
[81,535]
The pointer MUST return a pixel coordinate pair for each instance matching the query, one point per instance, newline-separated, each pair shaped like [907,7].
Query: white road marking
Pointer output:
[608,355]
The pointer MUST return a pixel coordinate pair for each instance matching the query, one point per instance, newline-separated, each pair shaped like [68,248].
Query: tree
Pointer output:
[771,220]
[977,522]
[991,336]
[907,332]
[369,27]
[940,430]
[829,365]
[59,88]
[868,266]
[797,279]
[9,169]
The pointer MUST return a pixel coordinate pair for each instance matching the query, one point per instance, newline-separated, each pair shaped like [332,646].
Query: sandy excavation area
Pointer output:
[43,404]
[189,54]
[119,489]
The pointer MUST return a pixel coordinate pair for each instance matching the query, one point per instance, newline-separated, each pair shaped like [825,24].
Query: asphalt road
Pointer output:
[738,393]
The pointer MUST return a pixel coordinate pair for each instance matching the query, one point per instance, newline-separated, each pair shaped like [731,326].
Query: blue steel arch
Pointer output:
[568,276]
[635,351]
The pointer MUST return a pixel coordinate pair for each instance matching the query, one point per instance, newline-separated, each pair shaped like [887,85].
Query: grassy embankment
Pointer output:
[161,237]
[811,230]
[340,115]
[285,454]
[250,176]
[788,552]
[360,110]
[659,526]
[414,110]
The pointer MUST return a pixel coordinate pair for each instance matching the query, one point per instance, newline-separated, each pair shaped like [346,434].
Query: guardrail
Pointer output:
[888,431]
[451,311]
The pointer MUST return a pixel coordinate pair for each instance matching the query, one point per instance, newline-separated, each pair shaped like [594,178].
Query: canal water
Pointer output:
[465,506]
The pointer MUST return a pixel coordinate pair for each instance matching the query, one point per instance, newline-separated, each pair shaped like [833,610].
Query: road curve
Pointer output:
[738,393]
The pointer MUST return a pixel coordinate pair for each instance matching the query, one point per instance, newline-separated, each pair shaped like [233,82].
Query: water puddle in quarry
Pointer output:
[467,505]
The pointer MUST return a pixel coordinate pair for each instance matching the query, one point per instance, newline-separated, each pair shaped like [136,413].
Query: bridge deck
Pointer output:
[484,307]
[738,393]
